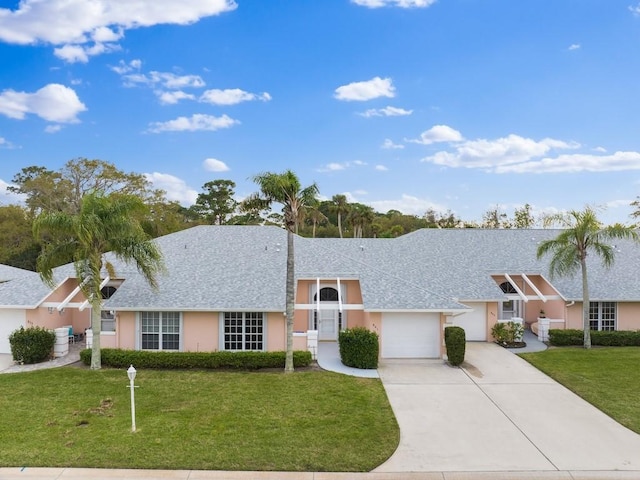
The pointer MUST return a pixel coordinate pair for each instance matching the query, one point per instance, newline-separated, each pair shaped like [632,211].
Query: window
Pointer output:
[602,315]
[507,287]
[107,317]
[243,331]
[160,330]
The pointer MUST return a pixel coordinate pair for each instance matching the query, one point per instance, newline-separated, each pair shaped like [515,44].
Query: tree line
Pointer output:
[42,190]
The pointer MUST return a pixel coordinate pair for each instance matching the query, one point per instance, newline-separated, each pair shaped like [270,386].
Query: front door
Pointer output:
[328,324]
[328,320]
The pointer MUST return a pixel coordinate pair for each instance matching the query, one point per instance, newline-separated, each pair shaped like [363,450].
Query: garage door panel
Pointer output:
[474,323]
[411,335]
[10,320]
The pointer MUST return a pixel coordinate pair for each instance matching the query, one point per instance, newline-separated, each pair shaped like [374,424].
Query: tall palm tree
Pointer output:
[285,189]
[104,223]
[316,217]
[341,207]
[582,233]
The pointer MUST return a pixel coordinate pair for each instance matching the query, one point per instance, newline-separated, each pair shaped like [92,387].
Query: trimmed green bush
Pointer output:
[359,347]
[575,337]
[455,342]
[31,345]
[116,358]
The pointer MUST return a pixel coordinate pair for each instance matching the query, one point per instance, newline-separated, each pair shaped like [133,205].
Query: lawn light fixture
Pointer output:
[131,373]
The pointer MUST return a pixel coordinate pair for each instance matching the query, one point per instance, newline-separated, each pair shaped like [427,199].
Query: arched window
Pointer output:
[327,294]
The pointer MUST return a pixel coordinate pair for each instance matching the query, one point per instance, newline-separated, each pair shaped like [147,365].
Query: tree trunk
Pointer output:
[340,224]
[585,305]
[290,305]
[96,326]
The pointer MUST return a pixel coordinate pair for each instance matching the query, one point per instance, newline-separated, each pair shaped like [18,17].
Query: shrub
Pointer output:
[618,338]
[507,332]
[31,345]
[116,358]
[359,347]
[455,342]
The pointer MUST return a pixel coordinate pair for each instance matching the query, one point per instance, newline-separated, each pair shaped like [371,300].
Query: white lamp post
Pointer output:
[131,373]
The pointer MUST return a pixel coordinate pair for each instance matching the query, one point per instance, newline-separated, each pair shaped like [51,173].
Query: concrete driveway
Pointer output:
[497,413]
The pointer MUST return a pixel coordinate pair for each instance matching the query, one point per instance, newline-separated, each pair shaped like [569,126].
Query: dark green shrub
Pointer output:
[575,337]
[31,345]
[455,342]
[116,358]
[359,347]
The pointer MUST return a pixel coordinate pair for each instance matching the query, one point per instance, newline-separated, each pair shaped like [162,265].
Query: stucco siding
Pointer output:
[200,331]
[276,332]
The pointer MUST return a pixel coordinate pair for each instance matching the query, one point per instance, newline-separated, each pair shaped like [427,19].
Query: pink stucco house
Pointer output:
[225,290]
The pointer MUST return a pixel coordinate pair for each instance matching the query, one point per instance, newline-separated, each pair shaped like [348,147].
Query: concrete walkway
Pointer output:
[329,359]
[498,413]
[7,365]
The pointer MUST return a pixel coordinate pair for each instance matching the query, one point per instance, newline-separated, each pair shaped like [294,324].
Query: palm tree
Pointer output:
[285,189]
[104,223]
[583,233]
[316,217]
[340,206]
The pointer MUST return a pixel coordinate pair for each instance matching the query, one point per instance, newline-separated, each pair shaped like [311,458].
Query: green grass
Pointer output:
[306,421]
[608,378]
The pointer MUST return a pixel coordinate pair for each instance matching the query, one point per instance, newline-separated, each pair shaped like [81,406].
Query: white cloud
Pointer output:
[389,145]
[494,154]
[164,79]
[171,98]
[10,197]
[84,28]
[214,165]
[438,133]
[232,96]
[176,188]
[81,53]
[53,128]
[4,143]
[336,167]
[574,46]
[381,168]
[196,122]
[579,162]
[367,90]
[53,102]
[386,112]
[635,10]
[600,150]
[394,3]
[123,67]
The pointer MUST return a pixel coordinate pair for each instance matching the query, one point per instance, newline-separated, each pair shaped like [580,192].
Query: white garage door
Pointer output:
[10,320]
[411,335]
[474,323]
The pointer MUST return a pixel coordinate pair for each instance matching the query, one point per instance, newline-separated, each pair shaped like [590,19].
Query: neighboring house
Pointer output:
[225,290]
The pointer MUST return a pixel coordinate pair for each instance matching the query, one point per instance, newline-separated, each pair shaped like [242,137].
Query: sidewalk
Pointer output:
[106,474]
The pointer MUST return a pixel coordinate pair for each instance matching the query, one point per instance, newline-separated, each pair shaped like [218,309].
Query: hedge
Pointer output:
[117,358]
[31,345]
[617,338]
[454,340]
[359,347]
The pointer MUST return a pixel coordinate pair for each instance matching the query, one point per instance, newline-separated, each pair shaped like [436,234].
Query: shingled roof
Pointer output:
[222,268]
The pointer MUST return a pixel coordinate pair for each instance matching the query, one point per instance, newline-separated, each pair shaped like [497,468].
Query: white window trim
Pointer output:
[265,317]
[600,319]
[138,343]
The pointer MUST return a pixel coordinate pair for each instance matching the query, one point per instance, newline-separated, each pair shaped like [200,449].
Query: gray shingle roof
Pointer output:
[243,268]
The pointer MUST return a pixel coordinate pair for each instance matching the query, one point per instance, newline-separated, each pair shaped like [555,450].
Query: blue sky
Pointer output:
[399,104]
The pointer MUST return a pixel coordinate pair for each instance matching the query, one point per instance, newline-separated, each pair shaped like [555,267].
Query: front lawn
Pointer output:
[608,378]
[306,421]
